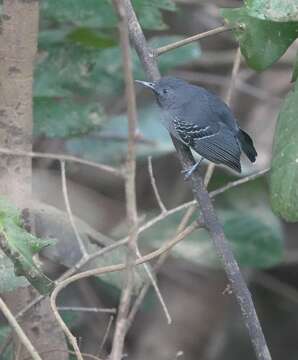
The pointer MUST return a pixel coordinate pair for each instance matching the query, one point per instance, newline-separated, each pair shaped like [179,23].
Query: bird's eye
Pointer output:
[165,91]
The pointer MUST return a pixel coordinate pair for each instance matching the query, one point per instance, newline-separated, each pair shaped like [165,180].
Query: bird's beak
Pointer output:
[147,84]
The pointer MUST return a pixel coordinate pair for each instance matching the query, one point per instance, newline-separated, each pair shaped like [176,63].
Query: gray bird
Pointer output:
[202,121]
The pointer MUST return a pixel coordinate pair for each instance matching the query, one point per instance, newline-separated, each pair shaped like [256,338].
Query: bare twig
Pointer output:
[19,331]
[108,269]
[235,71]
[150,223]
[210,219]
[130,190]
[153,282]
[69,212]
[106,334]
[86,309]
[154,186]
[191,39]
[236,183]
[62,157]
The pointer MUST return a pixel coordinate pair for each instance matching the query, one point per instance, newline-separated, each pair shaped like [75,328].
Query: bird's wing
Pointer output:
[189,133]
[214,142]
[221,148]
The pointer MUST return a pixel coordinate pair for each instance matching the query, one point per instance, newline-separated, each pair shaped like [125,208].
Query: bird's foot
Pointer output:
[188,172]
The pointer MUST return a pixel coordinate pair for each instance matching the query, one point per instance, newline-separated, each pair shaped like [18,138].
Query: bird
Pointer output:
[202,121]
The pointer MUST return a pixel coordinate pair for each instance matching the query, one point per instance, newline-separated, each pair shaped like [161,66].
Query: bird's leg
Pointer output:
[188,172]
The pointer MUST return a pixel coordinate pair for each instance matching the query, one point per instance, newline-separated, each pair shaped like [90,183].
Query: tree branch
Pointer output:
[191,39]
[19,331]
[211,222]
[69,212]
[130,189]
[62,157]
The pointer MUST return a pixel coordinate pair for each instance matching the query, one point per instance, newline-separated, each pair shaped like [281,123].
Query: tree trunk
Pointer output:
[18,44]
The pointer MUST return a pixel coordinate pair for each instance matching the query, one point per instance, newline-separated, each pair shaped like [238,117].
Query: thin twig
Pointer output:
[150,223]
[87,309]
[235,71]
[154,186]
[186,218]
[69,212]
[106,334]
[191,39]
[210,219]
[62,157]
[236,183]
[153,282]
[19,331]
[130,187]
[108,269]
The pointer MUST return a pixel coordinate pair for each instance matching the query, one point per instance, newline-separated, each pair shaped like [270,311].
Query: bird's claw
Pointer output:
[188,172]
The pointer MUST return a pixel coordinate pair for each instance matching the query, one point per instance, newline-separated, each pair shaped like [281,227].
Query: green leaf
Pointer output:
[275,10]
[21,246]
[284,166]
[262,42]
[65,117]
[90,38]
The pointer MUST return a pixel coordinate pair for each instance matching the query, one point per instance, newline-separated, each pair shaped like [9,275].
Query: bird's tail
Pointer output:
[247,145]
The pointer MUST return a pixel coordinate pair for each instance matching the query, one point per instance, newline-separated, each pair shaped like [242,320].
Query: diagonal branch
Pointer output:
[210,219]
[154,187]
[69,212]
[191,39]
[19,331]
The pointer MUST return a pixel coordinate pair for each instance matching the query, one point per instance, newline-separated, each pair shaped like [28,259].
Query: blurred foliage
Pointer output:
[100,14]
[8,354]
[265,29]
[106,146]
[79,70]
[284,174]
[252,229]
[21,247]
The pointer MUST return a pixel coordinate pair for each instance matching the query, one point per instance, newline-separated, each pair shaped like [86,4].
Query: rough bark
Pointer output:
[18,44]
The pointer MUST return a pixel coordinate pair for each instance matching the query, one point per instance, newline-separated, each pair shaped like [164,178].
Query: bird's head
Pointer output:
[169,91]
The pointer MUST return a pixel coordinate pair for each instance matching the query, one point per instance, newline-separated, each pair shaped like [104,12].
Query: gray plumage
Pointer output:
[202,121]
